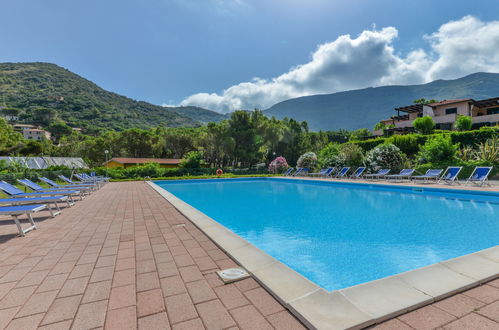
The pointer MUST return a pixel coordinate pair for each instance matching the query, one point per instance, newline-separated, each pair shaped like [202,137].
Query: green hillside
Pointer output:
[45,92]
[202,115]
[365,107]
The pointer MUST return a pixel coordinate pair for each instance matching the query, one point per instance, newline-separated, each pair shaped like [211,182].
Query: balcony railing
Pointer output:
[485,119]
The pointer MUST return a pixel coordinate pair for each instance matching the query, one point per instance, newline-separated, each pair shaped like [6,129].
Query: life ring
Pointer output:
[220,172]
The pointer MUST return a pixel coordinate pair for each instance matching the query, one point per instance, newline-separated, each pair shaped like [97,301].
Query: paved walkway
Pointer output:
[124,258]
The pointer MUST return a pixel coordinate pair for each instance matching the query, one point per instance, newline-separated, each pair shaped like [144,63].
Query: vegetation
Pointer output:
[424,125]
[463,123]
[355,109]
[40,93]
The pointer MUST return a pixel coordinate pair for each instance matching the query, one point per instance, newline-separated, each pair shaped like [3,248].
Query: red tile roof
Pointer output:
[436,104]
[125,160]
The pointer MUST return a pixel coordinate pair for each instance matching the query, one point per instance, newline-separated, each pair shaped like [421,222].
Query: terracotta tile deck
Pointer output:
[124,258]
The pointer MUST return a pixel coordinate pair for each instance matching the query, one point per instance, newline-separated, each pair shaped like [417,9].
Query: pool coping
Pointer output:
[354,307]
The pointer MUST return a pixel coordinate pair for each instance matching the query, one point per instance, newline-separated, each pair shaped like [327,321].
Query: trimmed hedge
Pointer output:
[410,143]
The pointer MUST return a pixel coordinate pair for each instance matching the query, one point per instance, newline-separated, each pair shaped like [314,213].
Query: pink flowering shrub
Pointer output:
[278,165]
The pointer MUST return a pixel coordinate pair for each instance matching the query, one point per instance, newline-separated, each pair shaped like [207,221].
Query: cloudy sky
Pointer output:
[244,54]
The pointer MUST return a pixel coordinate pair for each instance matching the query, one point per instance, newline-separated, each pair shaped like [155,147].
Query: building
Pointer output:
[129,162]
[22,127]
[444,114]
[36,134]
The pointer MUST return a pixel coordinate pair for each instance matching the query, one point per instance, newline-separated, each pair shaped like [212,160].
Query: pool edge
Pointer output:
[355,307]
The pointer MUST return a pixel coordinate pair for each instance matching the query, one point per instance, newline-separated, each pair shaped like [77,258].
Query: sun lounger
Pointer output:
[37,188]
[324,172]
[18,210]
[404,174]
[298,171]
[342,173]
[18,193]
[83,177]
[480,175]
[69,181]
[67,186]
[37,200]
[450,175]
[288,171]
[378,175]
[358,173]
[431,174]
[304,171]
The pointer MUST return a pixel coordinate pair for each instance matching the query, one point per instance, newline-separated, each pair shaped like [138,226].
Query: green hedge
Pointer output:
[410,143]
[154,171]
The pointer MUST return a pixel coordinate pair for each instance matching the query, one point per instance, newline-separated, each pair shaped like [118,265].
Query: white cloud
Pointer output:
[456,49]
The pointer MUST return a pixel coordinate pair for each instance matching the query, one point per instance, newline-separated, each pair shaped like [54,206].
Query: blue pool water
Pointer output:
[339,235]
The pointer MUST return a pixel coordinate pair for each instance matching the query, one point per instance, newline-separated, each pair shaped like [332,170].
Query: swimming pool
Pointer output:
[342,234]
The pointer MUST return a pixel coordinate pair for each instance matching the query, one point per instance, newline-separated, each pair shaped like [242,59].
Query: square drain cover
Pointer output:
[230,275]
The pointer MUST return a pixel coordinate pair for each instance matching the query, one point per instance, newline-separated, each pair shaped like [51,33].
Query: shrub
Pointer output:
[385,156]
[278,165]
[463,123]
[408,144]
[488,151]
[193,159]
[353,155]
[438,149]
[424,125]
[307,160]
[327,155]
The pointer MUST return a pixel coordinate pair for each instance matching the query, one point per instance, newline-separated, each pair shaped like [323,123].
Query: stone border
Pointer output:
[355,307]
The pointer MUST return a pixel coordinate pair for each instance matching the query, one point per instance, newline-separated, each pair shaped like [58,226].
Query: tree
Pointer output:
[463,123]
[8,138]
[193,159]
[424,101]
[59,129]
[424,125]
[379,126]
[359,134]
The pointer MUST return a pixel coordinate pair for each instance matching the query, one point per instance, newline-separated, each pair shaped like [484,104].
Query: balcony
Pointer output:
[445,119]
[485,119]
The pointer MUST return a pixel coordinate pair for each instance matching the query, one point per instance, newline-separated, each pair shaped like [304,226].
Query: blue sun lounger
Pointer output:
[66,186]
[85,178]
[480,175]
[342,173]
[324,172]
[358,173]
[39,189]
[431,174]
[37,200]
[304,171]
[69,181]
[450,175]
[298,171]
[18,193]
[16,211]
[404,174]
[378,175]
[288,171]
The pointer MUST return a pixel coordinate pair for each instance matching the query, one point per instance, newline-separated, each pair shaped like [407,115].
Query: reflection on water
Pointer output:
[341,236]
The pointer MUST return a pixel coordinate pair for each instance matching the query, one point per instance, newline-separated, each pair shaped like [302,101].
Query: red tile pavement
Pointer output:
[119,260]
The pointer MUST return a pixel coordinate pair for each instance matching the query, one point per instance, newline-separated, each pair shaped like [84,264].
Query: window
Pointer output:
[493,111]
[450,111]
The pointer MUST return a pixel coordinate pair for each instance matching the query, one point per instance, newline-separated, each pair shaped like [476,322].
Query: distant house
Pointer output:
[36,134]
[22,127]
[129,162]
[444,114]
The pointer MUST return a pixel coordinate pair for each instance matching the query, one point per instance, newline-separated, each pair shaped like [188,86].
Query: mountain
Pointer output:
[202,115]
[365,107]
[45,92]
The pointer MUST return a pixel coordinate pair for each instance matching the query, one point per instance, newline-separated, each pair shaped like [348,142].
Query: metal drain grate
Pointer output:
[230,275]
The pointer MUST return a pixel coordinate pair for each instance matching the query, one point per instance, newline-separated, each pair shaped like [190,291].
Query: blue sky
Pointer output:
[208,52]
